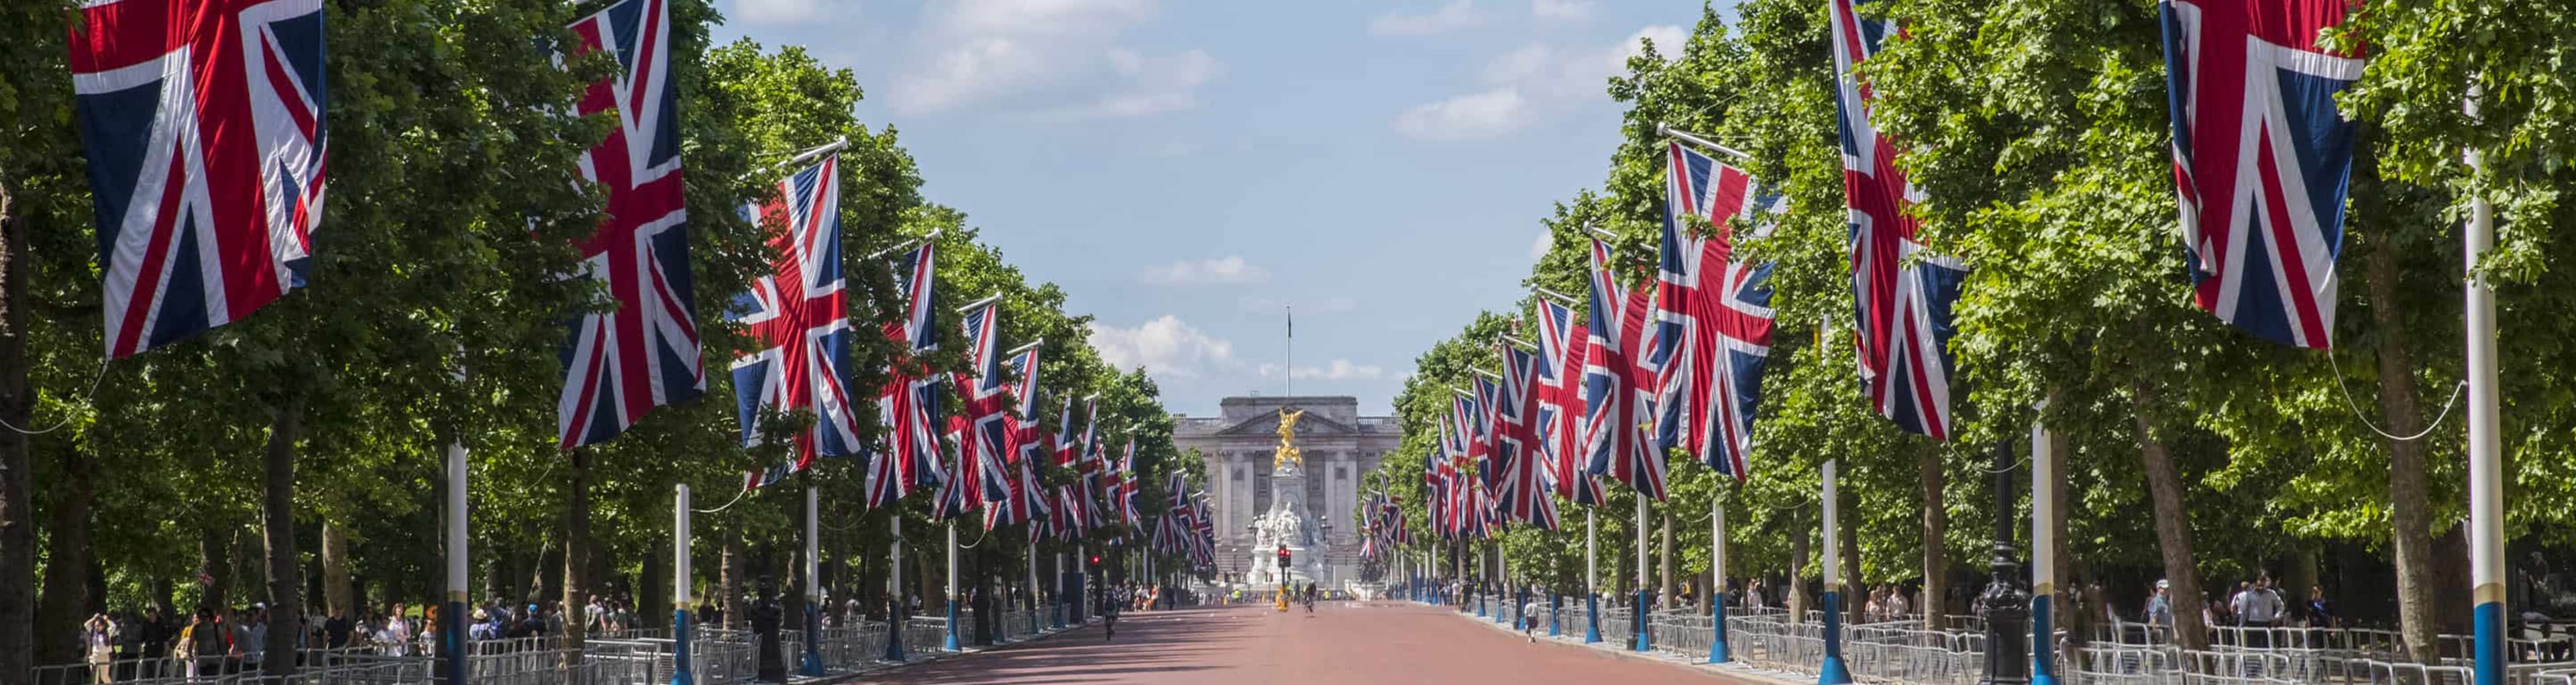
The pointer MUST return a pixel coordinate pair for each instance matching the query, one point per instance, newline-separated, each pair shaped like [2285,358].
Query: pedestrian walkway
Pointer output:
[1342,643]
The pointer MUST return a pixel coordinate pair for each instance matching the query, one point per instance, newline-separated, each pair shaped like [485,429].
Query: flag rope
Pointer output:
[737,497]
[94,379]
[2336,366]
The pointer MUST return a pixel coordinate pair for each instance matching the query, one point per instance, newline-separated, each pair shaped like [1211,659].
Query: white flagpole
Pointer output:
[1645,579]
[1834,672]
[680,582]
[1717,651]
[813,661]
[951,645]
[1686,137]
[2486,460]
[2043,558]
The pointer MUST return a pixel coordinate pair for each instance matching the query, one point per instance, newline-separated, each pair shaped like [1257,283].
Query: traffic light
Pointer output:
[1095,560]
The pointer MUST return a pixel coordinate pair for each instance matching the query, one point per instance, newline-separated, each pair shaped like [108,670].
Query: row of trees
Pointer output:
[2039,133]
[308,437]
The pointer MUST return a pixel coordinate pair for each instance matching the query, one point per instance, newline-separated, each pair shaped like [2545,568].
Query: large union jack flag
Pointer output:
[1027,500]
[2261,158]
[1618,388]
[1713,312]
[982,425]
[1903,293]
[908,400]
[1562,345]
[643,353]
[1525,473]
[799,313]
[203,123]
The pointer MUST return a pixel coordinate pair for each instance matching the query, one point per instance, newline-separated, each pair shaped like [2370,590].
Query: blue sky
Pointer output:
[1186,169]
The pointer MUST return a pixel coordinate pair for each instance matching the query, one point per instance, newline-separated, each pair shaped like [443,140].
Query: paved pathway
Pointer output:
[1341,643]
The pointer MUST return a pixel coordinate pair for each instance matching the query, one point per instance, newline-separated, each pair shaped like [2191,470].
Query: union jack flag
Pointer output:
[1202,545]
[754,480]
[1027,499]
[1435,485]
[805,332]
[1128,487]
[2263,211]
[908,400]
[1618,383]
[1073,514]
[1562,345]
[643,354]
[984,422]
[1714,312]
[1525,475]
[203,120]
[1486,448]
[1903,293]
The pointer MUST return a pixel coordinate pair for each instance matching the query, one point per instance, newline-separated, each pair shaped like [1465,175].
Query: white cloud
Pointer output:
[1337,370]
[1230,269]
[1150,85]
[755,12]
[1455,15]
[1561,9]
[1529,82]
[1164,346]
[1467,117]
[1062,58]
[1539,247]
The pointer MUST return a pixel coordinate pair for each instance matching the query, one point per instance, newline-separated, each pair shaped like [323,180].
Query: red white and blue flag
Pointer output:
[799,313]
[1435,484]
[1026,500]
[1619,383]
[1562,345]
[1903,292]
[2262,159]
[910,458]
[1128,487]
[203,123]
[643,353]
[1713,312]
[1524,495]
[984,422]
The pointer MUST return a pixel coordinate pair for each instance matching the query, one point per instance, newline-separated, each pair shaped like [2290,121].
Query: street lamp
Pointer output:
[1323,553]
[2007,605]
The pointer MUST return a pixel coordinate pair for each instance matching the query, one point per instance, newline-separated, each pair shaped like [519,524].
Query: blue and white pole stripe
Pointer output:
[1834,671]
[2486,461]
[680,634]
[2043,559]
[1717,652]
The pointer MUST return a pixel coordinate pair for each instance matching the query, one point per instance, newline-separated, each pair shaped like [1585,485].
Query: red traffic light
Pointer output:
[1095,560]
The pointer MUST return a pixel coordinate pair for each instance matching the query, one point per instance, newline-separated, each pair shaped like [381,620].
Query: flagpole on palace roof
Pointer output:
[1685,136]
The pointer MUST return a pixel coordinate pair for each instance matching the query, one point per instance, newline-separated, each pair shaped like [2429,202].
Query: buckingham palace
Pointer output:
[1340,446]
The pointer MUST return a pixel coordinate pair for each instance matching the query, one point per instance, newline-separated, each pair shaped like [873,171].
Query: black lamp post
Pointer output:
[2007,605]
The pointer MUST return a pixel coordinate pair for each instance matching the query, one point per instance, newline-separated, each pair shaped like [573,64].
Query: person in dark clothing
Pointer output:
[335,630]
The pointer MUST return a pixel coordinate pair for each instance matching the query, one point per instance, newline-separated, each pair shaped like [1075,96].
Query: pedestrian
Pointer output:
[203,643]
[98,643]
[2159,611]
[1753,596]
[157,635]
[2258,609]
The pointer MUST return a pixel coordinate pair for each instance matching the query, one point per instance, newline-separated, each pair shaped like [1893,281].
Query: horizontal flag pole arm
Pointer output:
[1025,348]
[996,297]
[1487,374]
[908,242]
[1686,137]
[1515,340]
[816,151]
[1561,298]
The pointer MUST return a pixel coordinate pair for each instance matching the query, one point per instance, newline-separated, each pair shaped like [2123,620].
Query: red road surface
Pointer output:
[1255,645]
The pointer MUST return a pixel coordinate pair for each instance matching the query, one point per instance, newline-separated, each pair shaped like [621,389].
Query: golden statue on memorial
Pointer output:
[1286,455]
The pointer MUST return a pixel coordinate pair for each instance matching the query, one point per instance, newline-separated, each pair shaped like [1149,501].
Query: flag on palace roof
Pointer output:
[203,126]
[2262,159]
[1618,390]
[1713,311]
[623,361]
[1901,291]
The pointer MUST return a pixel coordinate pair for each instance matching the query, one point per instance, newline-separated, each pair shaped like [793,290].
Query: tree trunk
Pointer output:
[214,568]
[337,594]
[17,483]
[277,527]
[1797,589]
[59,610]
[1664,590]
[1857,597]
[159,589]
[730,576]
[542,580]
[1936,524]
[576,580]
[2409,503]
[2173,523]
[653,592]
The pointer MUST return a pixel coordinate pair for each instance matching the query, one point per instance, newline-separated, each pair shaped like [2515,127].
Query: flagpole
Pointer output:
[951,644]
[680,581]
[907,242]
[2043,558]
[1645,640]
[1057,607]
[1686,137]
[1834,671]
[2486,461]
[1591,572]
[1717,650]
[813,665]
[451,619]
[1033,575]
[894,584]
[1288,376]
